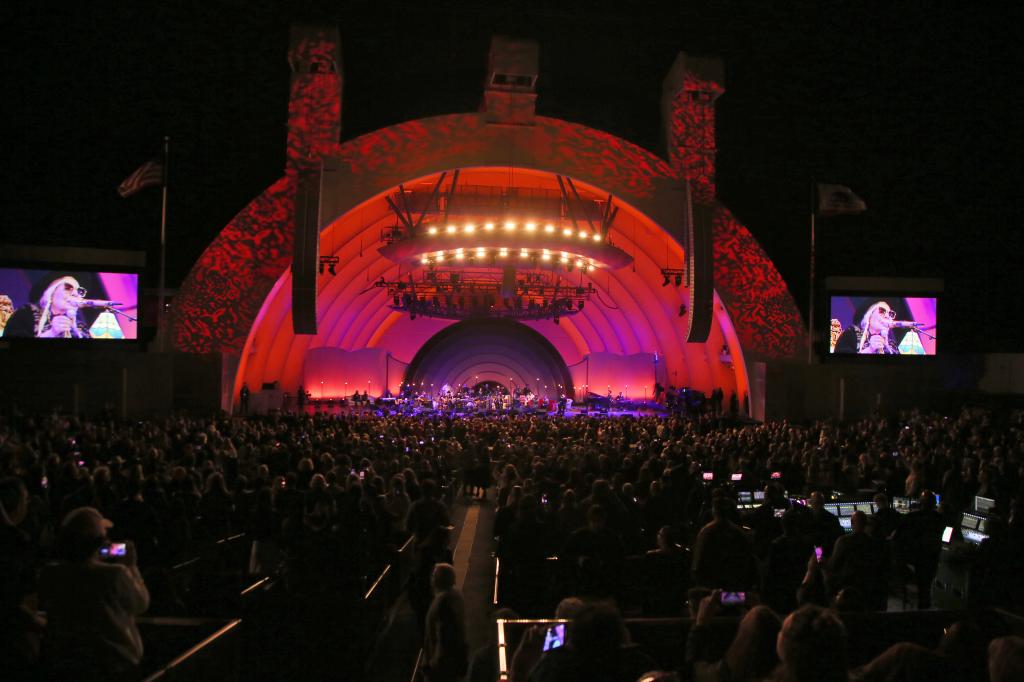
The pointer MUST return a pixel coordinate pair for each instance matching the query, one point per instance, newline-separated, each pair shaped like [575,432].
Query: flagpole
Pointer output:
[810,298]
[163,249]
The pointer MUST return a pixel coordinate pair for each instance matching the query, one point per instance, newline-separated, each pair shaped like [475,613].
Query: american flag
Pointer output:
[148,174]
[838,200]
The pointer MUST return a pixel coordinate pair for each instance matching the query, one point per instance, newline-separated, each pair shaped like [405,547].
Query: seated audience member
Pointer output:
[597,650]
[860,561]
[445,630]
[812,647]
[18,625]
[960,656]
[722,554]
[91,603]
[597,554]
[1006,659]
[483,664]
[751,656]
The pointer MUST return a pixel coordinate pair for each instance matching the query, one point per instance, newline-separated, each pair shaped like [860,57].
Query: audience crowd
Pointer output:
[323,499]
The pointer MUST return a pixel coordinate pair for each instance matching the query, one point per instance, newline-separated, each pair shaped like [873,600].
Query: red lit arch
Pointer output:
[237,297]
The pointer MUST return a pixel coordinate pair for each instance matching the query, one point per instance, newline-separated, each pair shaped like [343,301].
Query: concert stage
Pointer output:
[495,246]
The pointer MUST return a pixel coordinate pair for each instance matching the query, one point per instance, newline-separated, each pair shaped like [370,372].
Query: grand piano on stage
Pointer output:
[596,402]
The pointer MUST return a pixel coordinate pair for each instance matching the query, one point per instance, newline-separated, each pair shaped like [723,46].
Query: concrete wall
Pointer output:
[88,380]
[851,390]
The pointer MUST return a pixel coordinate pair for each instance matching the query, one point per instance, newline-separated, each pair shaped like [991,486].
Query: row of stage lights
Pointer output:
[510,226]
[481,252]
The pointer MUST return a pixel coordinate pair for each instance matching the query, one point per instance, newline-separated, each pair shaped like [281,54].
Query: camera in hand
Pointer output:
[734,598]
[114,550]
[554,637]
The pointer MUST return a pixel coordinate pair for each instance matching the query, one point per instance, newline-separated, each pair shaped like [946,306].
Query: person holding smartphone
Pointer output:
[91,598]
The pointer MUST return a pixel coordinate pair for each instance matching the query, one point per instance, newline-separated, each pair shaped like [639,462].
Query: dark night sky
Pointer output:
[916,107]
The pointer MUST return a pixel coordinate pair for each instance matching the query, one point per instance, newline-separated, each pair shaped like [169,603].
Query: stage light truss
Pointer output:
[462,294]
[460,223]
[502,256]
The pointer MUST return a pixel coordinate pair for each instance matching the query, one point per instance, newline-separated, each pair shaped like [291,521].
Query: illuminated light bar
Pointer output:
[439,254]
[510,225]
[546,256]
[590,267]
[567,232]
[489,226]
[459,255]
[451,229]
[431,230]
[524,254]
[530,227]
[470,228]
[503,252]
[424,260]
[597,237]
[481,252]
[549,228]
[583,235]
[579,264]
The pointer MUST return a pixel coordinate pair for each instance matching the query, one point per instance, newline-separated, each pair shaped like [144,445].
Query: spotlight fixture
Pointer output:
[328,263]
[673,274]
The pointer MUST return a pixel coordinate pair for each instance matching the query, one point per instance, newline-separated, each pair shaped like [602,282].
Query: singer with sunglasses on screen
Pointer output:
[56,315]
[873,336]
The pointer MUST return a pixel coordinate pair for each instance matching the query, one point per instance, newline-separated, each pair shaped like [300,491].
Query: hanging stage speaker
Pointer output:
[701,269]
[306,258]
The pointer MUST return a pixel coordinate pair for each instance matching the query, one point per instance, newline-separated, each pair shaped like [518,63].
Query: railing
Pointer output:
[214,656]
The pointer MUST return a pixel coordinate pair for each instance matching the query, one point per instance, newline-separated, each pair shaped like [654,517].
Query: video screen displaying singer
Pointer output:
[882,325]
[68,304]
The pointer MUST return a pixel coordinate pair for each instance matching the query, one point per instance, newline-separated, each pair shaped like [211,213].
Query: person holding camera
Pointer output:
[91,598]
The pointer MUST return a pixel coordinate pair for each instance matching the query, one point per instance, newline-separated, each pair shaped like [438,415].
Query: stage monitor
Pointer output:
[68,304]
[983,504]
[882,324]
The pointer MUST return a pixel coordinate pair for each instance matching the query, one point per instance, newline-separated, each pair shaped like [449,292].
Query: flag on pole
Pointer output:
[838,200]
[148,174]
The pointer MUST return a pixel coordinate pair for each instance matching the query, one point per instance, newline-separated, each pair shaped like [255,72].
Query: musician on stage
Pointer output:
[6,310]
[873,336]
[56,316]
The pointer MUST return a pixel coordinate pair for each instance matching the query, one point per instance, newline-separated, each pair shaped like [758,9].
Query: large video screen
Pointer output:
[68,304]
[882,325]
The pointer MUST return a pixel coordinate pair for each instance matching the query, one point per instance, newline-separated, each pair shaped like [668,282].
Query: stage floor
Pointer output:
[642,410]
